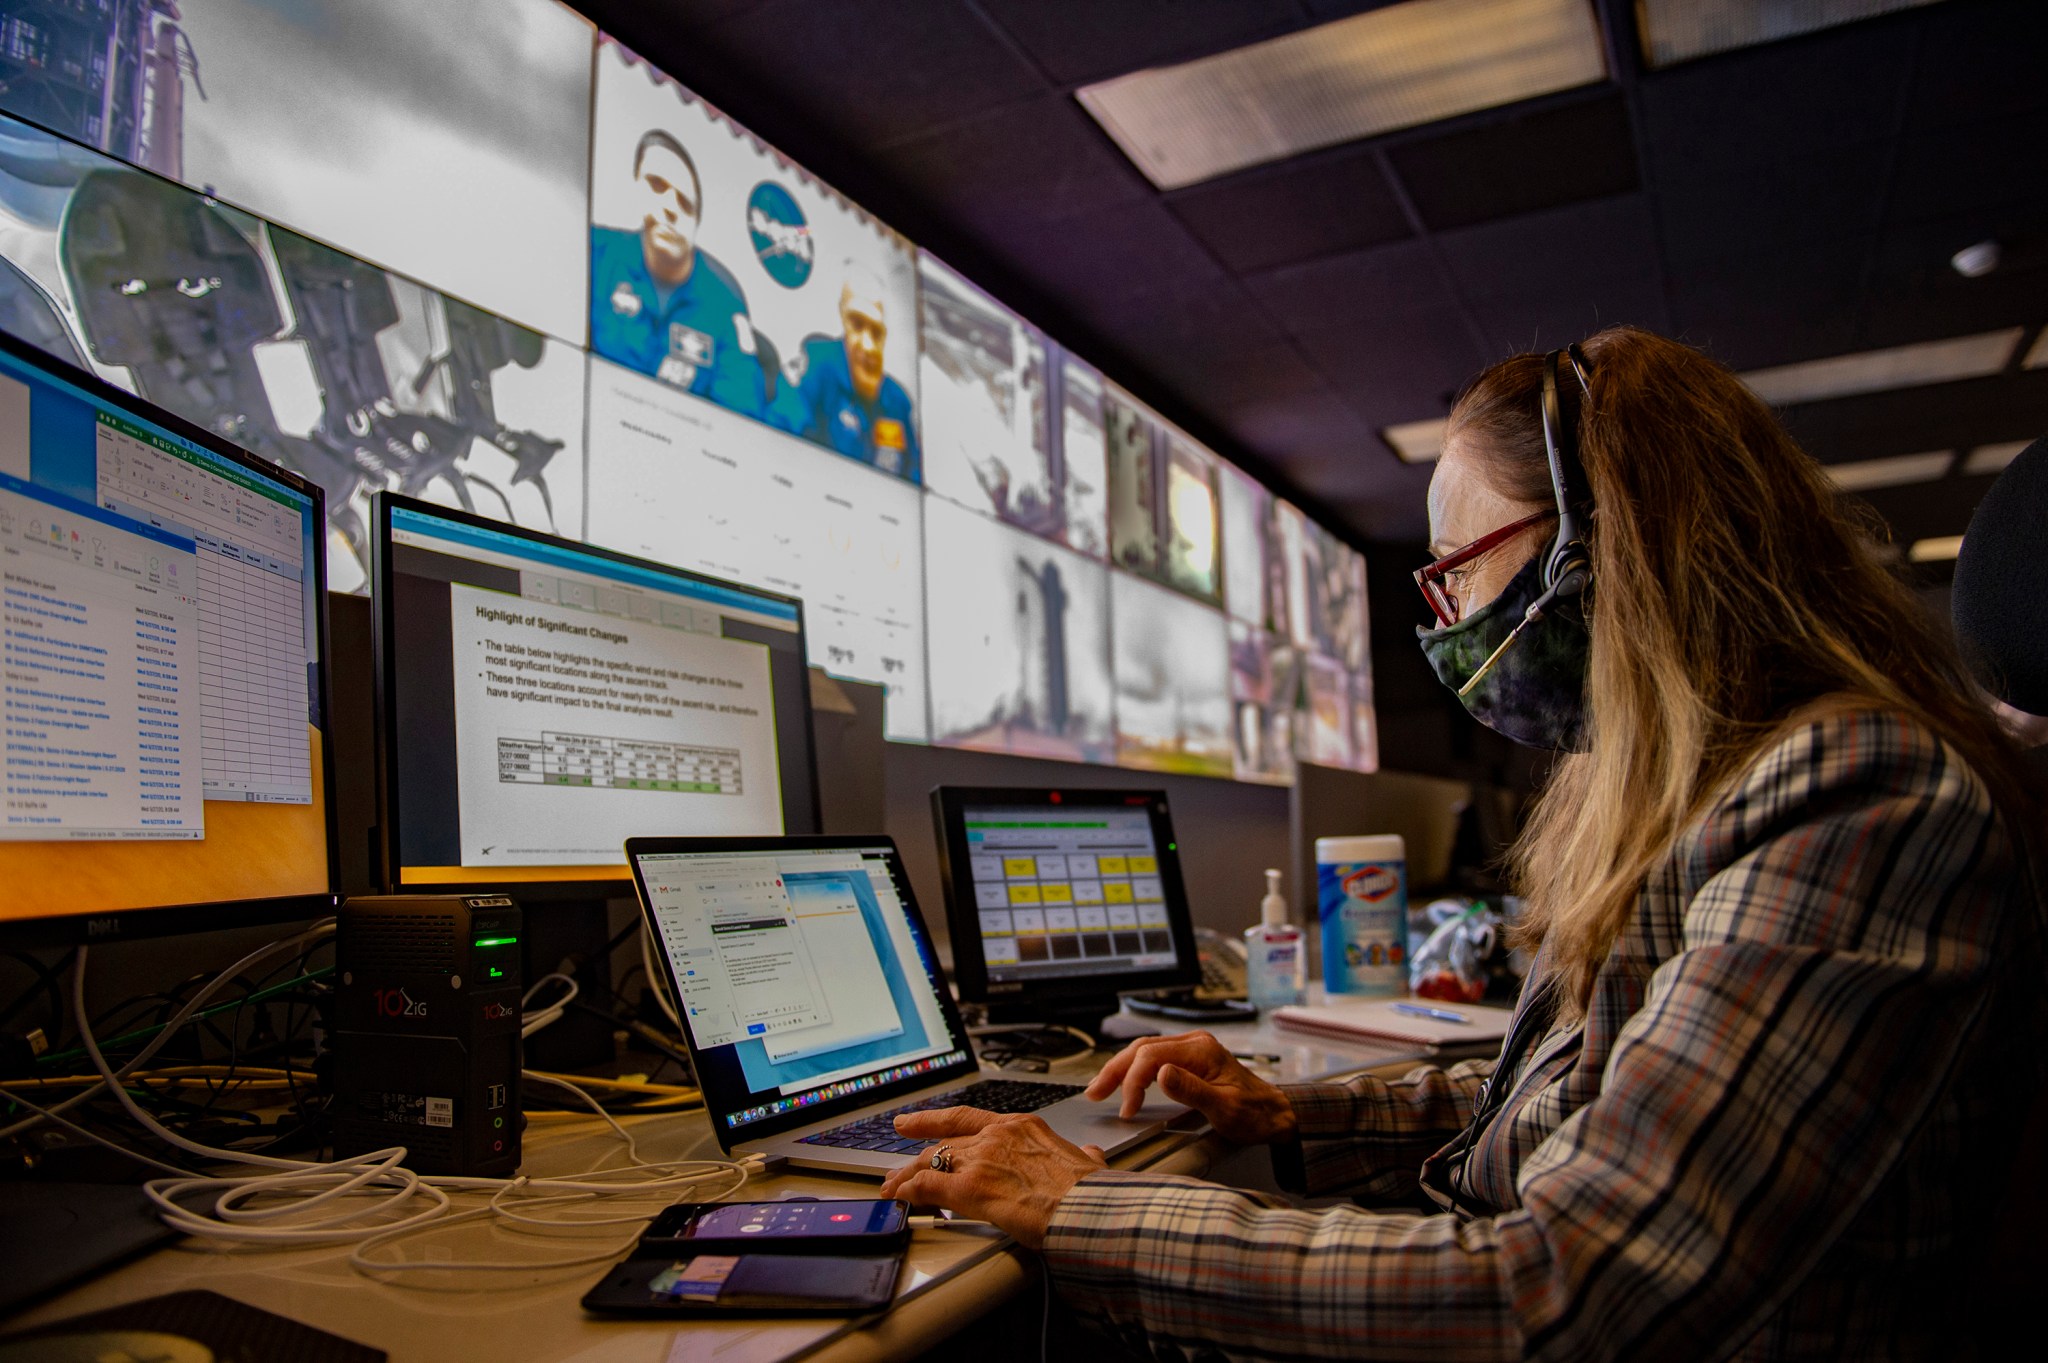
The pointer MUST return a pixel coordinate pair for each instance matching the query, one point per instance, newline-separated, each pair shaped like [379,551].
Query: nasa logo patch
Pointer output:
[781,236]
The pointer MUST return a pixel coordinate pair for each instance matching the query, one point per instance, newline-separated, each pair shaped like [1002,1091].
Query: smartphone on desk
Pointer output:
[837,1226]
[745,1284]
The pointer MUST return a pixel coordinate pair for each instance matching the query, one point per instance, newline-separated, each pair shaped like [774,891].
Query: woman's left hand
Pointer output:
[1008,1170]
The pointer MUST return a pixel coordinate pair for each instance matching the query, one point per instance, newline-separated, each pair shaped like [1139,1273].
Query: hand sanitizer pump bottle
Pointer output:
[1275,963]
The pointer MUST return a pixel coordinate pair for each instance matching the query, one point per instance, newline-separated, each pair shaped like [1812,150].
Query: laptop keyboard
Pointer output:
[991,1095]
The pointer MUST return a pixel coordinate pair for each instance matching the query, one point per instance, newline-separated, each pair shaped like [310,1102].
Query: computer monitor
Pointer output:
[1059,900]
[539,701]
[162,635]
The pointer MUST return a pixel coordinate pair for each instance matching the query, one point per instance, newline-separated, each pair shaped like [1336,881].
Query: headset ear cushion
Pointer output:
[1569,561]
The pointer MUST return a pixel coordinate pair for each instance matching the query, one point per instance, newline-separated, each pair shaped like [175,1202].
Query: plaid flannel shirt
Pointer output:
[1800,1065]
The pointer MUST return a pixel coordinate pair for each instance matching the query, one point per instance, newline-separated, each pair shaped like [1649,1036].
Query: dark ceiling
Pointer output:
[1781,203]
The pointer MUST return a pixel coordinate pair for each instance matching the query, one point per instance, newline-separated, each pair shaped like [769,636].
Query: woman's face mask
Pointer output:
[1536,692]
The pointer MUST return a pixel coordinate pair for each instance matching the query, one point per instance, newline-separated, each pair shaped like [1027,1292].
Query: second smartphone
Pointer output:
[848,1226]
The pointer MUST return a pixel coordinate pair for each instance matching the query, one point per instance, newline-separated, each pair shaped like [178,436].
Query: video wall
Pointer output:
[480,253]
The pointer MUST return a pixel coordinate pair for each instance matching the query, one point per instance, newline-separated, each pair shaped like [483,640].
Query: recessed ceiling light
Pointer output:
[1874,371]
[1894,471]
[1838,376]
[1417,442]
[1940,549]
[1679,30]
[1974,262]
[1394,67]
[1994,458]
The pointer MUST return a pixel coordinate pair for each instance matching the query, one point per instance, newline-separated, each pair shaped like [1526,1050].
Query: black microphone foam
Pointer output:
[2000,598]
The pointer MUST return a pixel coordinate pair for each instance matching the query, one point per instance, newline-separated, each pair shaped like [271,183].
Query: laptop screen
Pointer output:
[803,974]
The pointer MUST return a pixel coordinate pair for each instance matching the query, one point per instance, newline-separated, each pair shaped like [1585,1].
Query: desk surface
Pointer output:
[950,1277]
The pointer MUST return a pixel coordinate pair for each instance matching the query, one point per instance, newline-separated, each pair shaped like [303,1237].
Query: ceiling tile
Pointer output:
[1772,306]
[1544,279]
[1305,208]
[1339,289]
[1391,504]
[1785,203]
[1310,426]
[1928,510]
[1545,321]
[874,71]
[1094,258]
[1394,367]
[1076,44]
[1764,104]
[1968,412]
[1980,60]
[1914,293]
[1027,162]
[1520,163]
[1973,167]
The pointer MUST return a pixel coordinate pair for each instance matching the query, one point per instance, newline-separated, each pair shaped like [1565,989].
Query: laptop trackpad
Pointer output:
[1086,1123]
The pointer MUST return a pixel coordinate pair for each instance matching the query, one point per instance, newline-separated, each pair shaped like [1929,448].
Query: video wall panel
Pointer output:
[721,268]
[482,254]
[447,141]
[356,377]
[687,482]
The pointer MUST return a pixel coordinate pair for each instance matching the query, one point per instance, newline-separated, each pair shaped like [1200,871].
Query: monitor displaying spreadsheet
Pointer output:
[161,634]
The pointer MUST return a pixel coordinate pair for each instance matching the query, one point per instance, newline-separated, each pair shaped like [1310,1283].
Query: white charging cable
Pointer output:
[532,1019]
[312,934]
[314,1202]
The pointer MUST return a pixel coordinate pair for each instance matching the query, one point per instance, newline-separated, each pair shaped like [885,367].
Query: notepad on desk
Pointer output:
[1422,1024]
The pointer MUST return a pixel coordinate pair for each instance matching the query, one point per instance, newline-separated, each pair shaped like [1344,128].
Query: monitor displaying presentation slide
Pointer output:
[541,701]
[804,974]
[161,634]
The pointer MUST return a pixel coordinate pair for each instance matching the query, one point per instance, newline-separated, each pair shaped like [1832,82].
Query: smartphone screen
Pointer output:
[796,1220]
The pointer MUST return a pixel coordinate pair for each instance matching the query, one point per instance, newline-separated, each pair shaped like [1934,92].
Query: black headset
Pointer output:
[1569,570]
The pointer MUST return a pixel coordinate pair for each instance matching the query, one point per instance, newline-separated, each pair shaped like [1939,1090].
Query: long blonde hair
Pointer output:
[1732,594]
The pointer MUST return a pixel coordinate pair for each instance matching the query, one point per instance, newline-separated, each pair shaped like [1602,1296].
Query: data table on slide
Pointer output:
[563,759]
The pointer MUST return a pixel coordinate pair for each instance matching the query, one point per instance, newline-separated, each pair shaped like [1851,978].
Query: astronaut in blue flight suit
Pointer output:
[836,394]
[661,305]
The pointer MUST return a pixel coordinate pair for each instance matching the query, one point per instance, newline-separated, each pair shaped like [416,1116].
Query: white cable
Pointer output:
[51,1115]
[323,928]
[655,978]
[531,1022]
[305,1202]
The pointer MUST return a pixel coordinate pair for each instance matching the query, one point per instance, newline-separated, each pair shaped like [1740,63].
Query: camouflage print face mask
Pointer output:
[1536,692]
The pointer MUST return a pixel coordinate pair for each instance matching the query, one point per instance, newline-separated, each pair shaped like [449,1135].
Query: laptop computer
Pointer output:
[814,1006]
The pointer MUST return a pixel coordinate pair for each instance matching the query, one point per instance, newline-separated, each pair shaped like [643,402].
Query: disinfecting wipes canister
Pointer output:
[1362,896]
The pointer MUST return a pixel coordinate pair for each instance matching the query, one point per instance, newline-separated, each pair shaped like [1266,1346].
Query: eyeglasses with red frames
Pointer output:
[1439,580]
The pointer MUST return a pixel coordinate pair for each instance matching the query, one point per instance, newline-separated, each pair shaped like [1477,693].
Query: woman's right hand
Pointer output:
[1196,1069]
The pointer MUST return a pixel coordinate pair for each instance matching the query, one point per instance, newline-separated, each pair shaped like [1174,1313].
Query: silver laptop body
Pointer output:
[811,999]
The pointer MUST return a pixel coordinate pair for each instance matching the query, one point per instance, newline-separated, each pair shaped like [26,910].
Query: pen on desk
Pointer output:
[1260,1056]
[1416,1010]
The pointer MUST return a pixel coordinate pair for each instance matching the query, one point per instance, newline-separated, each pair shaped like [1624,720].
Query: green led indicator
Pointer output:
[496,973]
[1173,847]
[496,941]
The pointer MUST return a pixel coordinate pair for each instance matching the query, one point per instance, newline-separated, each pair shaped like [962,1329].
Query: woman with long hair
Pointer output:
[1786,1009]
